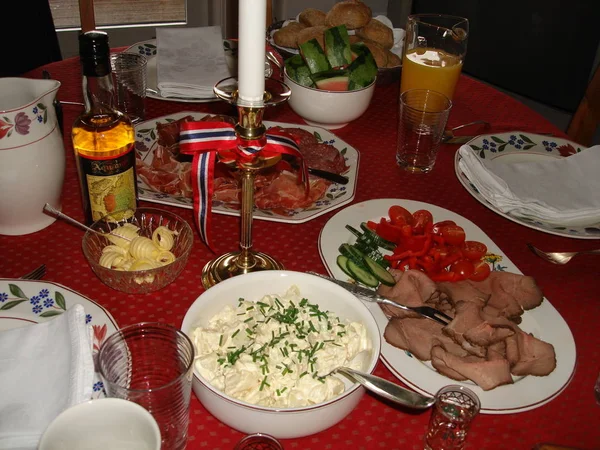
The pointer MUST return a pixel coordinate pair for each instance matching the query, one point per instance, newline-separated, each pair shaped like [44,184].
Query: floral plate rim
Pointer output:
[531,146]
[51,300]
[335,197]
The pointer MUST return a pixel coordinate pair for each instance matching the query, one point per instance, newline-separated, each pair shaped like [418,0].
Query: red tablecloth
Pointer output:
[570,419]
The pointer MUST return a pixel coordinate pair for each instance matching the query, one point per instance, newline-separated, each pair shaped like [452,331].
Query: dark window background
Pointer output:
[541,49]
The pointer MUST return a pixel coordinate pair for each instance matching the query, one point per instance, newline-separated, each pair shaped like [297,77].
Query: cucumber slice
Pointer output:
[362,275]
[353,254]
[380,272]
[342,262]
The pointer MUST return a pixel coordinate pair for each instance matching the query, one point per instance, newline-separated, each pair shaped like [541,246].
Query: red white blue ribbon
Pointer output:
[204,139]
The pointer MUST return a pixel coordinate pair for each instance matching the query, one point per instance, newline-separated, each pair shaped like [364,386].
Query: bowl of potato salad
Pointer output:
[138,251]
[268,345]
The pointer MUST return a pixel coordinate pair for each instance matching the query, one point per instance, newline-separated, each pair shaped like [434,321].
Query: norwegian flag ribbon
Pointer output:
[205,139]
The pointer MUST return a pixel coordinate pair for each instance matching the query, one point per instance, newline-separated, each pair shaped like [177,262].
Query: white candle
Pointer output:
[251,50]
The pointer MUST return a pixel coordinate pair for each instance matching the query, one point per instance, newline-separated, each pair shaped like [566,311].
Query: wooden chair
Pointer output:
[29,36]
[586,119]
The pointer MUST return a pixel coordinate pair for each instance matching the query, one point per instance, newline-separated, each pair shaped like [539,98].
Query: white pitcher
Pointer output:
[32,154]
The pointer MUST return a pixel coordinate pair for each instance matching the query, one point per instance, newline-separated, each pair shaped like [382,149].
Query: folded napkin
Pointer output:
[190,61]
[564,191]
[44,369]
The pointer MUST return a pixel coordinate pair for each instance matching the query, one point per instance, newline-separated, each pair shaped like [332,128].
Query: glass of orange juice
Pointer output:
[434,51]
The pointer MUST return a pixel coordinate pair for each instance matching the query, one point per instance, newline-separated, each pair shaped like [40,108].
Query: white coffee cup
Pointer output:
[101,424]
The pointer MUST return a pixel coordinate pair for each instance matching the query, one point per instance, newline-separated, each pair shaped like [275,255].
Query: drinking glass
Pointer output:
[434,51]
[130,79]
[422,119]
[258,441]
[454,409]
[151,364]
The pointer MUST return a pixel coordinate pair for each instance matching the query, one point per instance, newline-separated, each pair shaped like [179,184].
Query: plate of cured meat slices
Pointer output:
[506,342]
[164,174]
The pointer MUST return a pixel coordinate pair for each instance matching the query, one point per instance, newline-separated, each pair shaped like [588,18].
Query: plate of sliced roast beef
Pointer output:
[165,174]
[505,341]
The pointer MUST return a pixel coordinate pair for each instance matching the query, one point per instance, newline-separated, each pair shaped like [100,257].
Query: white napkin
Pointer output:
[190,61]
[564,191]
[44,369]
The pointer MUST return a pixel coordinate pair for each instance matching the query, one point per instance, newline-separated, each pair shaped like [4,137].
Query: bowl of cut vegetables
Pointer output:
[332,84]
[138,251]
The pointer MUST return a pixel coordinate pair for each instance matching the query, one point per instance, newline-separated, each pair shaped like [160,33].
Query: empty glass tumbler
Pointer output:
[151,364]
[422,120]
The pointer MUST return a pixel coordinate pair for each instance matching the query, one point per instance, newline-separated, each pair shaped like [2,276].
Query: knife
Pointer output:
[372,297]
[329,176]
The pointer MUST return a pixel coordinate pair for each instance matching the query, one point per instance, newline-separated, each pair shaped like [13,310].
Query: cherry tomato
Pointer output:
[400,216]
[420,219]
[453,234]
[438,225]
[463,268]
[481,272]
[474,250]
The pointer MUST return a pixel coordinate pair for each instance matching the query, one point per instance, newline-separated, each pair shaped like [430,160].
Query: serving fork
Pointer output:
[371,296]
[560,257]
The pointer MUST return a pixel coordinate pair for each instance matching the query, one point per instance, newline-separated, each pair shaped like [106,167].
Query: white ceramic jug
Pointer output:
[32,154]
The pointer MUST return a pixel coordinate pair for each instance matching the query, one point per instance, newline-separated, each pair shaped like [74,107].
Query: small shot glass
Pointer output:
[454,410]
[258,441]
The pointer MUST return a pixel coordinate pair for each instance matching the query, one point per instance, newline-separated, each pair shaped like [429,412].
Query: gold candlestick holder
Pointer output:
[249,128]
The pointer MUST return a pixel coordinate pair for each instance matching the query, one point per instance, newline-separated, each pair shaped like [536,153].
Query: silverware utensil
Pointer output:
[36,274]
[329,176]
[560,257]
[49,209]
[449,138]
[387,389]
[371,296]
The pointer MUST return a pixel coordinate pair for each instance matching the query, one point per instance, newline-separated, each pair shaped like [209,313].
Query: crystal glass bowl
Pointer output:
[147,219]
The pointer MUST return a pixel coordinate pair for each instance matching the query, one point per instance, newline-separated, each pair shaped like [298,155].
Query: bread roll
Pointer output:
[309,33]
[312,17]
[287,36]
[377,32]
[352,13]
[393,60]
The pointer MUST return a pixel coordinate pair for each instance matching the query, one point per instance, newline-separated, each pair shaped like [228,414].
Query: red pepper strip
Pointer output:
[409,253]
[406,230]
[428,264]
[372,225]
[426,246]
[443,276]
[412,263]
[450,259]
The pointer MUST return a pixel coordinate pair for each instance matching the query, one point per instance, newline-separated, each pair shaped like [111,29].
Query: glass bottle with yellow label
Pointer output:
[103,137]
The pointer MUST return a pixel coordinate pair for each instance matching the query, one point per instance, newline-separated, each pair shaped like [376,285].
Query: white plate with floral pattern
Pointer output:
[518,146]
[336,196]
[27,302]
[544,322]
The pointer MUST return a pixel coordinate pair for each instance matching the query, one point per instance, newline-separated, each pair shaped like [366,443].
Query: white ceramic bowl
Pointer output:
[328,109]
[287,422]
[104,423]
